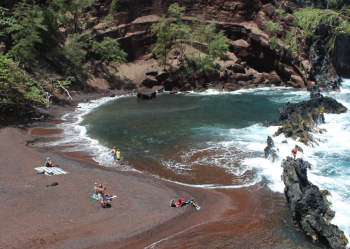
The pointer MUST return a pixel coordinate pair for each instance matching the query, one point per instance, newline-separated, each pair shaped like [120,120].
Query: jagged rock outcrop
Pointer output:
[309,210]
[270,150]
[321,68]
[298,120]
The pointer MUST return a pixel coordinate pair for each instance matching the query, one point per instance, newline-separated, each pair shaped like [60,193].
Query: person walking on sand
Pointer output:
[294,152]
[114,152]
[118,156]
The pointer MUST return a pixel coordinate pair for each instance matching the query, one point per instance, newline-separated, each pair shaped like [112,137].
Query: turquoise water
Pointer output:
[158,133]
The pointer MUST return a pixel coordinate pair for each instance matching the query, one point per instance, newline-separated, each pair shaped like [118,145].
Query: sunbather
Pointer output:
[48,163]
[193,203]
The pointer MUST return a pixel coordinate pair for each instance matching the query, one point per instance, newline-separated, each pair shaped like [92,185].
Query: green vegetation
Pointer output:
[18,90]
[273,43]
[338,20]
[164,41]
[6,20]
[175,33]
[272,26]
[292,41]
[109,50]
[27,32]
[112,12]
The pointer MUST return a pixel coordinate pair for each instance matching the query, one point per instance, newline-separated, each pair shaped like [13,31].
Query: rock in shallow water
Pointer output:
[271,150]
[145,93]
[298,120]
[309,210]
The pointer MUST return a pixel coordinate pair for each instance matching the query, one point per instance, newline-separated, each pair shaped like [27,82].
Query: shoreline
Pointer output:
[65,221]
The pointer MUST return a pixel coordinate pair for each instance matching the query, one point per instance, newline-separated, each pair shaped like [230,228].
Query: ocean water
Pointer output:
[212,140]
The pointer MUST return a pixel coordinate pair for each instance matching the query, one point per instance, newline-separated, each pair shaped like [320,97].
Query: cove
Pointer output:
[190,138]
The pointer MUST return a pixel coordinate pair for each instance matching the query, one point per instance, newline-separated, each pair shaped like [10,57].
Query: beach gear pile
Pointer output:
[50,171]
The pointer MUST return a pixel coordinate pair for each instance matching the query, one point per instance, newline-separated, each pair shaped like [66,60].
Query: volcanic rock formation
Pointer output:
[270,150]
[308,207]
[298,120]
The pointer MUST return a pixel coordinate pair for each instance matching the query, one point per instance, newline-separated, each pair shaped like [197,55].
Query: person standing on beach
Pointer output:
[118,156]
[114,152]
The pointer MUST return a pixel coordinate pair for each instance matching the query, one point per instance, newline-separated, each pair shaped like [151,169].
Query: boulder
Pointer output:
[274,78]
[152,72]
[269,10]
[237,68]
[186,87]
[54,184]
[162,76]
[146,93]
[149,81]
[158,88]
[212,75]
[309,210]
[232,87]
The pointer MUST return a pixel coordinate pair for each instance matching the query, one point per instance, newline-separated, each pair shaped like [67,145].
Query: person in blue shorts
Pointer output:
[114,152]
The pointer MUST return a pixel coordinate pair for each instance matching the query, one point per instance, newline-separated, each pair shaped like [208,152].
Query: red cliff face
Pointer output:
[242,21]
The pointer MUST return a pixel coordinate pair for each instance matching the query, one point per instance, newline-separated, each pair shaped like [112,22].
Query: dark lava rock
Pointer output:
[162,76]
[212,75]
[297,120]
[186,87]
[274,78]
[271,150]
[152,72]
[145,93]
[232,87]
[149,81]
[309,210]
[112,95]
[54,184]
[321,68]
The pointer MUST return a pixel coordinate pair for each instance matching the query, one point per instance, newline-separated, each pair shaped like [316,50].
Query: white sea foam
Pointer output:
[75,138]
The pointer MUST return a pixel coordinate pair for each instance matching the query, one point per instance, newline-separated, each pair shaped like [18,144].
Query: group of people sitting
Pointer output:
[102,196]
[181,202]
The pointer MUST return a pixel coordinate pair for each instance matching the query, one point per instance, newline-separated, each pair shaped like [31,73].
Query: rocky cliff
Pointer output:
[309,206]
[251,61]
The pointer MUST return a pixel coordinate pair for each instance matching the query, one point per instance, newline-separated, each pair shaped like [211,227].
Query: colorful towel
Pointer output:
[109,198]
[51,170]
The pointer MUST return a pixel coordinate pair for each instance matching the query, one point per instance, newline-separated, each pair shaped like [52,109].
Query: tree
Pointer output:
[26,33]
[72,56]
[180,30]
[109,50]
[338,20]
[17,88]
[6,20]
[165,37]
[71,12]
[217,44]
